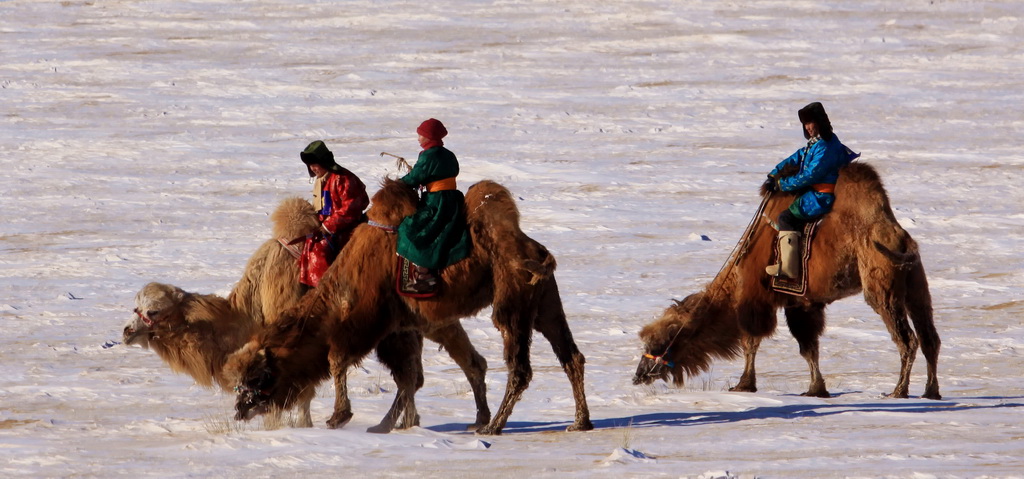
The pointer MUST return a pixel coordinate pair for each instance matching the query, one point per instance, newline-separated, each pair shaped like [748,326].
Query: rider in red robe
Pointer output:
[339,198]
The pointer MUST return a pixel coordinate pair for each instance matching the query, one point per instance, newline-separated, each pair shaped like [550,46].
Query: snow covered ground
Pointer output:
[149,140]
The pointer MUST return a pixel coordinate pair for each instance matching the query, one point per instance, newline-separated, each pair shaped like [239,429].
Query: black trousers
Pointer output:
[789,222]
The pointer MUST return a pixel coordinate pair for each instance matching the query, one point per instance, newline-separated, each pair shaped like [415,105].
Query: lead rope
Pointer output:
[745,243]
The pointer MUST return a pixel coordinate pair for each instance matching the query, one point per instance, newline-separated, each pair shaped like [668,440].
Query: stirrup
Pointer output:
[423,280]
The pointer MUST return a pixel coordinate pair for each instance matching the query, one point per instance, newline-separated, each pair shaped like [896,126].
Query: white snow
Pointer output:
[149,140]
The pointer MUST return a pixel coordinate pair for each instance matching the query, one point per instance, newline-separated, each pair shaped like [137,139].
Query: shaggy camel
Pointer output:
[356,306]
[858,246]
[196,333]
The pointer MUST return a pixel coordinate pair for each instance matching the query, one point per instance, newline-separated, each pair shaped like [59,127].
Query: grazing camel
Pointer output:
[859,246]
[195,334]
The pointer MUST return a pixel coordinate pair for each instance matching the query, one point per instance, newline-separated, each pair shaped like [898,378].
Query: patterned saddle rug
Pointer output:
[406,282]
[795,286]
[293,246]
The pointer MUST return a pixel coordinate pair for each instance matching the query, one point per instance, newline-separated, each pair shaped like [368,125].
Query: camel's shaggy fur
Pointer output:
[196,333]
[859,246]
[355,308]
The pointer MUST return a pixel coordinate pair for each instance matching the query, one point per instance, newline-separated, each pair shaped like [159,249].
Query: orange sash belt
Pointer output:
[441,185]
[824,188]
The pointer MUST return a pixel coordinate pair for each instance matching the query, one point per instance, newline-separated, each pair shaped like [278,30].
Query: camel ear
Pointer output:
[669,335]
[672,330]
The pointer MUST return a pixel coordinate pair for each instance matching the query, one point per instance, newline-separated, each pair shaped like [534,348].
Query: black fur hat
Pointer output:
[816,112]
[318,154]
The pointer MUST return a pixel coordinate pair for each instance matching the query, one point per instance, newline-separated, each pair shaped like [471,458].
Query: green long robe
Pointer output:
[436,235]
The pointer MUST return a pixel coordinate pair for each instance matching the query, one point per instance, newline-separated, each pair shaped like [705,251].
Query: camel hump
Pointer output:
[860,188]
[860,172]
[862,202]
[491,202]
[293,218]
[493,220]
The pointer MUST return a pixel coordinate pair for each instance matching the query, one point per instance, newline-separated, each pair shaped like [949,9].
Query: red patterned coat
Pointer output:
[344,199]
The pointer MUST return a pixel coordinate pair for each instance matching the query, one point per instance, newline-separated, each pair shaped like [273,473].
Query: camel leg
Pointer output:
[919,305]
[807,325]
[510,320]
[889,304]
[453,338]
[552,324]
[401,352]
[342,406]
[748,381]
[305,419]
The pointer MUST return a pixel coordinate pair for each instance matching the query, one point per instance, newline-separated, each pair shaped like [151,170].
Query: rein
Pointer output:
[739,251]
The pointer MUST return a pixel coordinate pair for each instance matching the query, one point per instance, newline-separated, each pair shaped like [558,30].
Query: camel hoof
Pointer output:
[817,394]
[488,430]
[339,420]
[586,426]
[379,429]
[405,425]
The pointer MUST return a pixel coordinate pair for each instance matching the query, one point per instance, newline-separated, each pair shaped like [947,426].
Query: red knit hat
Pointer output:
[432,129]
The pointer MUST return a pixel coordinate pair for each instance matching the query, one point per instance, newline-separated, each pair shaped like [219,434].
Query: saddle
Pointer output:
[795,286]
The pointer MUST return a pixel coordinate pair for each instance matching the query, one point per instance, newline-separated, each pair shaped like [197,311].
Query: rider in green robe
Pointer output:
[436,235]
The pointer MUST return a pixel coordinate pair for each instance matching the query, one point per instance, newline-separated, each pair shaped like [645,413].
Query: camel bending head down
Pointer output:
[195,334]
[859,246]
[356,308]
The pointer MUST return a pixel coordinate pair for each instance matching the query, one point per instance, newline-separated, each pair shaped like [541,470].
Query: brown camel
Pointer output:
[196,333]
[859,246]
[356,307]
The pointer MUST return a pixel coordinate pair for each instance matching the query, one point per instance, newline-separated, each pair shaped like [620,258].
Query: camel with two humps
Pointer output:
[859,247]
[195,334]
[356,307]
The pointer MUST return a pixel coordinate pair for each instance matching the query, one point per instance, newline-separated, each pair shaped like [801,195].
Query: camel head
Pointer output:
[156,307]
[668,346]
[253,368]
[271,370]
[392,202]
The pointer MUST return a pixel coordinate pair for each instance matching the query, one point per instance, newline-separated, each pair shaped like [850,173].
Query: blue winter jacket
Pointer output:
[817,163]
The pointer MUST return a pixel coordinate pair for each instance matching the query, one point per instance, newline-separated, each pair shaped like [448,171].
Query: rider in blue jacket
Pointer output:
[810,173]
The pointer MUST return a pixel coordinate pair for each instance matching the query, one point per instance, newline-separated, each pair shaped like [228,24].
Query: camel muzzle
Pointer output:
[250,403]
[649,370]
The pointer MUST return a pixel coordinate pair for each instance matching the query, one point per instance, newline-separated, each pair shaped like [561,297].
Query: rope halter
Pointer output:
[660,360]
[143,317]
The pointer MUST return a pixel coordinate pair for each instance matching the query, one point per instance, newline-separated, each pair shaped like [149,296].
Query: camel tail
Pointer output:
[539,269]
[902,260]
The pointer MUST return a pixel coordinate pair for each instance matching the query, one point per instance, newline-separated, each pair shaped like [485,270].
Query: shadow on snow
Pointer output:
[773,412]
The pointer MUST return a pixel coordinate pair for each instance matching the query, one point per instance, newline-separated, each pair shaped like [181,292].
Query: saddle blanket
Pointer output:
[405,279]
